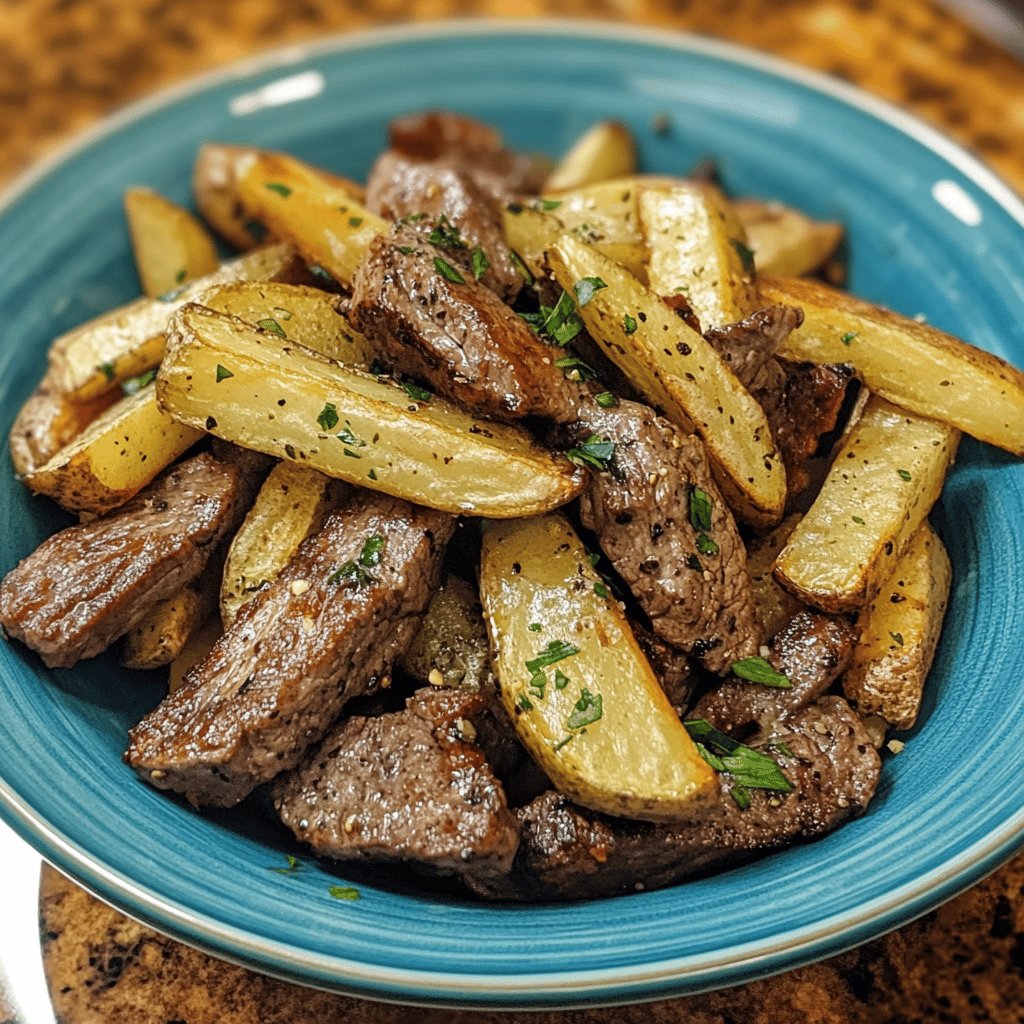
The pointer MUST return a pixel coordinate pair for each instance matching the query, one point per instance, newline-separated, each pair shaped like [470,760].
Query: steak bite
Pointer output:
[412,786]
[457,213]
[326,630]
[567,852]
[661,522]
[455,334]
[811,650]
[88,585]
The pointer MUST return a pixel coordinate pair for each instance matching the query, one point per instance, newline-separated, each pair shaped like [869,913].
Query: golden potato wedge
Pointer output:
[307,315]
[218,169]
[680,372]
[584,699]
[323,221]
[916,366]
[47,422]
[785,241]
[899,631]
[881,487]
[698,248]
[95,358]
[451,648]
[118,454]
[170,245]
[292,505]
[606,150]
[197,647]
[162,635]
[264,392]
[774,604]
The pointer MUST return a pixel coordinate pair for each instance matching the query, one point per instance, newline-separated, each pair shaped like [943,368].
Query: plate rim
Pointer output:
[603,986]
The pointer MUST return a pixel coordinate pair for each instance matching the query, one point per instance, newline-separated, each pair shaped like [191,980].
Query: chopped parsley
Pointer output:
[223,373]
[586,288]
[903,474]
[446,235]
[372,474]
[561,679]
[757,670]
[524,702]
[559,323]
[270,324]
[587,710]
[556,651]
[693,562]
[407,250]
[594,453]
[629,324]
[412,218]
[275,186]
[576,369]
[350,437]
[705,545]
[180,276]
[848,337]
[898,637]
[601,590]
[447,271]
[350,574]
[746,255]
[354,222]
[478,262]
[522,269]
[562,742]
[748,768]
[415,391]
[534,627]
[344,892]
[858,520]
[606,400]
[700,509]
[371,553]
[294,866]
[133,385]
[547,204]
[328,418]
[107,369]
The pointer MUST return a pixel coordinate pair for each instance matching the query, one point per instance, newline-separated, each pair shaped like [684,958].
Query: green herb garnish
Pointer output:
[223,373]
[746,255]
[522,269]
[559,323]
[415,391]
[344,892]
[478,262]
[606,400]
[294,866]
[587,711]
[447,271]
[547,204]
[407,250]
[276,186]
[586,288]
[348,436]
[848,337]
[524,702]
[757,670]
[354,222]
[561,679]
[371,553]
[328,418]
[576,369]
[556,650]
[594,452]
[903,474]
[350,574]
[270,324]
[700,509]
[629,324]
[107,369]
[601,590]
[705,545]
[180,276]
[858,520]
[749,768]
[534,627]
[446,235]
[898,637]
[289,450]
[133,385]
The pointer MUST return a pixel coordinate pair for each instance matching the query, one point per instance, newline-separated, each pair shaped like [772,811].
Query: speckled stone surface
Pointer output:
[65,63]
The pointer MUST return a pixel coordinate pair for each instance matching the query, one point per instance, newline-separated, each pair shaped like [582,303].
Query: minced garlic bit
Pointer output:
[764,650]
[350,824]
[435,678]
[308,625]
[896,746]
[299,587]
[466,729]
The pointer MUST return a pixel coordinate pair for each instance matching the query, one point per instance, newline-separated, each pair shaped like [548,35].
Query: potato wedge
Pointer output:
[292,505]
[218,169]
[197,647]
[785,241]
[323,221]
[306,315]
[899,631]
[916,366]
[170,245]
[162,635]
[881,487]
[584,699]
[451,648]
[264,392]
[95,358]
[698,248]
[47,422]
[118,454]
[775,605]
[606,150]
[680,372]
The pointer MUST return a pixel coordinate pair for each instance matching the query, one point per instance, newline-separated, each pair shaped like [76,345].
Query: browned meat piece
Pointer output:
[812,650]
[413,786]
[473,147]
[641,513]
[399,187]
[326,630]
[567,852]
[749,346]
[86,586]
[672,668]
[458,336]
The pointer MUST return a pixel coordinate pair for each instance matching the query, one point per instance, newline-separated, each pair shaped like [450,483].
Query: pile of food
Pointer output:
[560,529]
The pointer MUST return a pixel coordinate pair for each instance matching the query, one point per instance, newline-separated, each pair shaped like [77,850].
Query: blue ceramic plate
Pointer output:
[931,231]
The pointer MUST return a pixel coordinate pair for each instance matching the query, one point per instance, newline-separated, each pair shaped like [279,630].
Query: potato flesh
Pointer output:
[698,249]
[775,605]
[604,151]
[679,372]
[170,245]
[899,631]
[784,241]
[162,635]
[324,222]
[637,760]
[882,485]
[95,358]
[291,505]
[911,364]
[118,454]
[427,452]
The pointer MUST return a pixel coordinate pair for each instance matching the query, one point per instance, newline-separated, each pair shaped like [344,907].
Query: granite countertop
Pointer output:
[66,63]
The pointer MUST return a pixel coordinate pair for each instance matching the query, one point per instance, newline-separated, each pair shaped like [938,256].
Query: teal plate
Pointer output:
[931,231]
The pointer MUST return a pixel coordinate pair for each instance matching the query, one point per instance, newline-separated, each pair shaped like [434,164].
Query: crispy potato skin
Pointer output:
[899,631]
[785,242]
[882,485]
[636,759]
[606,150]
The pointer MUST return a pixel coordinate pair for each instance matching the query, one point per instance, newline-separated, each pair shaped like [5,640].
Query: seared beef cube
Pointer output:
[326,630]
[88,585]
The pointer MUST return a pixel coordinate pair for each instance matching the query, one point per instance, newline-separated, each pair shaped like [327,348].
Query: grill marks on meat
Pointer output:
[640,514]
[567,852]
[274,683]
[413,786]
[399,187]
[812,650]
[461,338]
[88,585]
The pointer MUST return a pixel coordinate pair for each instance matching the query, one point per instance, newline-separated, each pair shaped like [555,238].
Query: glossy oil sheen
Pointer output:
[949,808]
